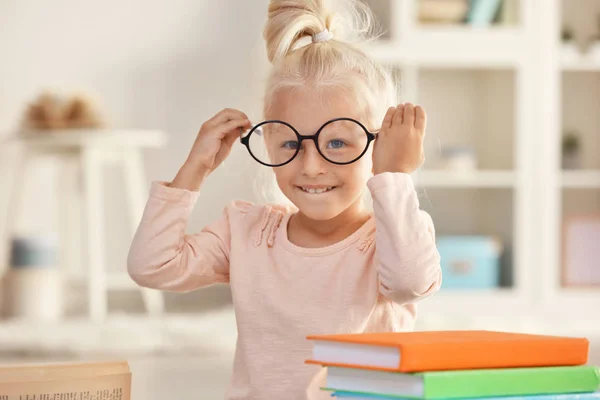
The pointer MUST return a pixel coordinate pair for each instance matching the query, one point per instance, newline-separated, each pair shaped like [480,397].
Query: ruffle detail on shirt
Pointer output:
[367,242]
[368,237]
[269,222]
[274,227]
[264,219]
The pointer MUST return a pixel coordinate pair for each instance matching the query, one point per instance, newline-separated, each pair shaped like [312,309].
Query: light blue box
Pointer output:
[469,262]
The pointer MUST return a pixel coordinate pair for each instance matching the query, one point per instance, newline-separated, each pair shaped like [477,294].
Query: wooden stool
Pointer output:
[88,152]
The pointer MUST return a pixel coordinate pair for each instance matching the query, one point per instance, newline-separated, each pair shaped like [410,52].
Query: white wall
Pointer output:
[154,64]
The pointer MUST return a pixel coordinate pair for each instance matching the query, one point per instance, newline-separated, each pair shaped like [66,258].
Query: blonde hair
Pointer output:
[337,63]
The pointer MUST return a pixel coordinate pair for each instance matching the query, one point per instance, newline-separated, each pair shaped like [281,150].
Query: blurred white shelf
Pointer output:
[580,179]
[475,179]
[89,137]
[477,301]
[573,60]
[114,281]
[582,66]
[575,302]
[582,294]
[120,281]
[454,47]
[123,332]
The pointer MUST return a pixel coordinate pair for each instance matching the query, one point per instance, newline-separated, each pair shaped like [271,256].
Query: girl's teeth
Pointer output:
[317,191]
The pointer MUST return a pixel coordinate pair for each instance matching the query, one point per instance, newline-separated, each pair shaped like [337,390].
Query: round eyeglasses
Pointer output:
[340,141]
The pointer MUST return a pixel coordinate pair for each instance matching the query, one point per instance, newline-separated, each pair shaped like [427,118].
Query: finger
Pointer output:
[225,148]
[409,114]
[387,120]
[229,140]
[420,118]
[233,127]
[398,117]
[231,113]
[225,115]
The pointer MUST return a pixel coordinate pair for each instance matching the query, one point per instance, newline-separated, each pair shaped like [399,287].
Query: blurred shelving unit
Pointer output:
[497,89]
[570,159]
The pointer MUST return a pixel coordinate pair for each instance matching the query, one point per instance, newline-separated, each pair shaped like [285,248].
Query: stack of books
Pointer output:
[455,365]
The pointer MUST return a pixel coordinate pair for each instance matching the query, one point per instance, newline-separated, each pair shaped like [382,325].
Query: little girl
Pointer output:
[327,264]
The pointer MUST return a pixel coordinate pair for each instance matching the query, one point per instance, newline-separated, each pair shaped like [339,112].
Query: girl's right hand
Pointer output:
[215,138]
[212,145]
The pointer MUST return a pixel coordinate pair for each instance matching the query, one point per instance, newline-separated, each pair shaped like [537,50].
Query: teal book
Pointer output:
[473,383]
[483,12]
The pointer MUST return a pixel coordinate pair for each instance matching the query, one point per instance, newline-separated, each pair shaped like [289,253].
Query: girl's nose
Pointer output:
[312,162]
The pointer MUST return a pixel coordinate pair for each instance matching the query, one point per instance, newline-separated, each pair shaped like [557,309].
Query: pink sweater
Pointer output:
[367,282]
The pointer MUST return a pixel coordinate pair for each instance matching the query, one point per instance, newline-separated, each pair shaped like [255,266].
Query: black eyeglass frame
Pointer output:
[245,140]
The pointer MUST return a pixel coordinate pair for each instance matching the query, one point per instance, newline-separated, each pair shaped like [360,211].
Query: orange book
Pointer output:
[446,350]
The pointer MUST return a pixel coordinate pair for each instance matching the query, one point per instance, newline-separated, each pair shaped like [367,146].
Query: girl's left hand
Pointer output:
[399,144]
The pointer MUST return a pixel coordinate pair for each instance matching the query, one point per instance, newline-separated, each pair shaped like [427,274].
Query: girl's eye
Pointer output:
[291,145]
[336,144]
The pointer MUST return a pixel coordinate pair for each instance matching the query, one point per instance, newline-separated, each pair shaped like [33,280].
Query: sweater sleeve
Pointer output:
[408,260]
[162,256]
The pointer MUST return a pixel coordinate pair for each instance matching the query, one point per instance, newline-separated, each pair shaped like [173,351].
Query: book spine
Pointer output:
[428,357]
[510,382]
[110,387]
[578,396]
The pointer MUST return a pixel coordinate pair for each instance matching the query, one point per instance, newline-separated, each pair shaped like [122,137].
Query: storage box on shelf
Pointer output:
[579,239]
[470,262]
[581,236]
[472,222]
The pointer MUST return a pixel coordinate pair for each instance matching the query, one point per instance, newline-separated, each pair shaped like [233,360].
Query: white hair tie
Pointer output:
[322,36]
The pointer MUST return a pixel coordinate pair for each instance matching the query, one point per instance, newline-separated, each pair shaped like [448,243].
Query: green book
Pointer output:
[465,383]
